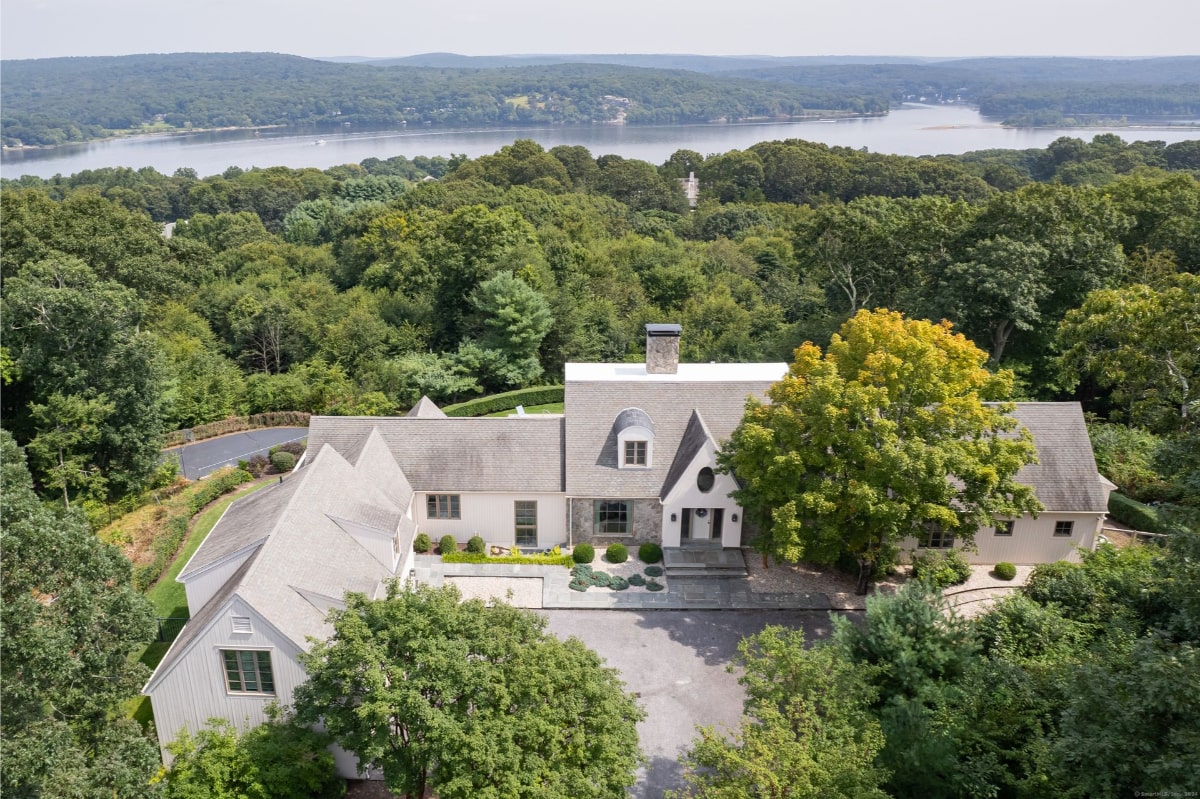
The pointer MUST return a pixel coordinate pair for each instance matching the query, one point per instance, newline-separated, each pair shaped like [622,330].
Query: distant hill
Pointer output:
[51,101]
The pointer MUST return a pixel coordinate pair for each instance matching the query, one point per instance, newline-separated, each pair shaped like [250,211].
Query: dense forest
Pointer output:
[52,101]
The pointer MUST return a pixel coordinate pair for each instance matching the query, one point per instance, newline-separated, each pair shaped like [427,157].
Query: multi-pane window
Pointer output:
[936,538]
[635,453]
[1064,529]
[443,506]
[612,517]
[1005,527]
[525,513]
[248,671]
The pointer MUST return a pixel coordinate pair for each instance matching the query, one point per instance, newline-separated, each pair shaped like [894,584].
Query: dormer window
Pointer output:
[635,439]
[635,453]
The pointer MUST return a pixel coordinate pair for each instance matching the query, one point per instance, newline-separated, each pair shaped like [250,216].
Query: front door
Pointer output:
[698,522]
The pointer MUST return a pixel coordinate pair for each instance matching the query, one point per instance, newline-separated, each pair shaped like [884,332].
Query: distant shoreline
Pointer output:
[134,135]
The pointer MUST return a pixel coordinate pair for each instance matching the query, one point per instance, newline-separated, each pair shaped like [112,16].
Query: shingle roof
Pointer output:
[426,409]
[514,453]
[694,438]
[596,393]
[1065,477]
[247,521]
[633,417]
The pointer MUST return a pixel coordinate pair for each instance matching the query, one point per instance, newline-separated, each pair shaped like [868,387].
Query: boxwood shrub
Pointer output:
[447,544]
[476,544]
[941,570]
[616,553]
[1005,571]
[482,406]
[584,553]
[422,543]
[649,552]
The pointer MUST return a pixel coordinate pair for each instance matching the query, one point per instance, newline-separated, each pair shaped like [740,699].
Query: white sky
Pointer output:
[382,28]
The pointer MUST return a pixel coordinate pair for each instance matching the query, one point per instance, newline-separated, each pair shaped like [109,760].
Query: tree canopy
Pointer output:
[469,700]
[887,433]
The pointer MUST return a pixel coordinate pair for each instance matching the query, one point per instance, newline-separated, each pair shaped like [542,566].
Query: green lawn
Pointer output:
[553,407]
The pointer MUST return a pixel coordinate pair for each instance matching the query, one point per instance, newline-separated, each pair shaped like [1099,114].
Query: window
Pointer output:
[525,513]
[612,517]
[705,480]
[443,506]
[936,538]
[1064,529]
[1005,527]
[635,453]
[248,671]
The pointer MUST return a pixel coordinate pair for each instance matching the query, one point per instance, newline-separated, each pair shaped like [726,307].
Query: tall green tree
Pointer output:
[467,700]
[887,432]
[70,619]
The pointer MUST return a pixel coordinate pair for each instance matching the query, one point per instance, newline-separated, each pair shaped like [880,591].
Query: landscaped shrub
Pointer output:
[531,560]
[649,552]
[1005,571]
[447,544]
[476,544]
[600,579]
[584,553]
[941,570]
[637,580]
[482,406]
[257,465]
[422,543]
[283,461]
[616,553]
[582,571]
[578,585]
[653,571]
[654,585]
[618,583]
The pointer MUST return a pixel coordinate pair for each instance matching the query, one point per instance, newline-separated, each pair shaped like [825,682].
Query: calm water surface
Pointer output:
[909,130]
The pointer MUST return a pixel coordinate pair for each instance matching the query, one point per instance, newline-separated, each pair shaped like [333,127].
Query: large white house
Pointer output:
[632,458]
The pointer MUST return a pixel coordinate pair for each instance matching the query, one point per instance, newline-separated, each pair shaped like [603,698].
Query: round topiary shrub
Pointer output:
[477,545]
[447,544]
[1005,571]
[616,553]
[618,583]
[283,461]
[637,580]
[653,571]
[583,553]
[654,585]
[649,552]
[422,543]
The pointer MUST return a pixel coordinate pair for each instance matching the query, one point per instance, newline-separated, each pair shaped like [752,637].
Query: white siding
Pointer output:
[686,494]
[203,586]
[195,690]
[492,516]
[1032,541]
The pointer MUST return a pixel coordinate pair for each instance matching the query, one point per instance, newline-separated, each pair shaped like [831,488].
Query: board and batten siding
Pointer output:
[1033,540]
[194,690]
[492,516]
[204,585]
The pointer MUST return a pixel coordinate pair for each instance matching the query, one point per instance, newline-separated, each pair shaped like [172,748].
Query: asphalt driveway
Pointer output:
[675,661]
[197,460]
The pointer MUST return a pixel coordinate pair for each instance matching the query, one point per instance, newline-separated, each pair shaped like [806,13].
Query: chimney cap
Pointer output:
[663,330]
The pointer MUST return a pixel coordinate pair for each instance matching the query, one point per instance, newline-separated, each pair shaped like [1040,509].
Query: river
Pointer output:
[908,130]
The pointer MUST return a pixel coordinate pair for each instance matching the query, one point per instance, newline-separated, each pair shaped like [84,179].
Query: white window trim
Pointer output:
[632,434]
[220,652]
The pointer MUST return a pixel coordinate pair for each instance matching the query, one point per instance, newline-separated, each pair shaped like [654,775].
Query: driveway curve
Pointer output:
[199,459]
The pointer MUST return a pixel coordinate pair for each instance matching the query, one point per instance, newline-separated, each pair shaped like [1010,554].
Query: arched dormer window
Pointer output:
[635,439]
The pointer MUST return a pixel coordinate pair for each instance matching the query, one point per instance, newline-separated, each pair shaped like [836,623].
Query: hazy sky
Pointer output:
[43,28]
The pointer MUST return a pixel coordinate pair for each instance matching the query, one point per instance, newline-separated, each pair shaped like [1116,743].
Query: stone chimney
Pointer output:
[662,349]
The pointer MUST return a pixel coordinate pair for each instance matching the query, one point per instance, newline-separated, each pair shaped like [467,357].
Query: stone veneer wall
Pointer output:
[647,521]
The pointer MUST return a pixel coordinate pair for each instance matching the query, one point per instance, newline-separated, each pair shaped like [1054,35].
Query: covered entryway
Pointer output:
[701,524]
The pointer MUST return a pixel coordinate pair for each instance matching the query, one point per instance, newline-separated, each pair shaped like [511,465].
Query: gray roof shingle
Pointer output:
[694,438]
[514,453]
[1065,477]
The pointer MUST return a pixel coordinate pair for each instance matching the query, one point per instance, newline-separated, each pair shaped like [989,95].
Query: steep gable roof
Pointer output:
[514,453]
[426,409]
[694,439]
[1065,476]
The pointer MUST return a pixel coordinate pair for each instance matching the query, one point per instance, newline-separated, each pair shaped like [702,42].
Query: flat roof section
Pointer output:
[688,373]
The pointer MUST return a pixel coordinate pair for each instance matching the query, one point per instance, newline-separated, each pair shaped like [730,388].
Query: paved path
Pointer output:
[203,457]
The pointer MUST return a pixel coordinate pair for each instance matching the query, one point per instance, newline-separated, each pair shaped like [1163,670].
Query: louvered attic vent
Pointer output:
[241,624]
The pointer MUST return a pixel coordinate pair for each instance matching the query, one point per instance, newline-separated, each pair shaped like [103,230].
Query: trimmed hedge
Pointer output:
[616,553]
[1005,570]
[167,544]
[238,424]
[422,543]
[531,560]
[477,545]
[649,552]
[1134,514]
[538,395]
[584,553]
[447,544]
